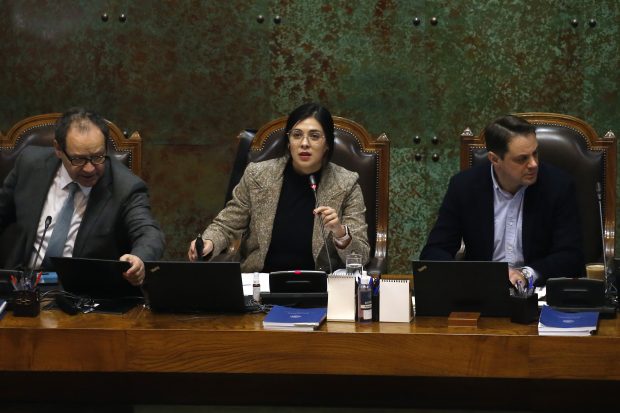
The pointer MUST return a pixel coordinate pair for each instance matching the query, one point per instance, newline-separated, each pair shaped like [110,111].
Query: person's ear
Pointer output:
[493,158]
[57,149]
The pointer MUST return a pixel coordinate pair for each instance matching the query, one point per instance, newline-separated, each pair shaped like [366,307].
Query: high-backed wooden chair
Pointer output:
[354,149]
[572,145]
[39,130]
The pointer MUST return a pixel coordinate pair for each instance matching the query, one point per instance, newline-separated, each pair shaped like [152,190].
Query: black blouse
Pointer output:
[291,238]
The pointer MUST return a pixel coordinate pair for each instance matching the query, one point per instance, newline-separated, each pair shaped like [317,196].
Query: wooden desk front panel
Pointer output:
[153,343]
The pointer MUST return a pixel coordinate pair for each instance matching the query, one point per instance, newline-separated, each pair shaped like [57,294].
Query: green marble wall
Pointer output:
[190,74]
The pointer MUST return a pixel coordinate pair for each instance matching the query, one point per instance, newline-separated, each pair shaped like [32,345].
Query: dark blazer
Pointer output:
[551,235]
[117,219]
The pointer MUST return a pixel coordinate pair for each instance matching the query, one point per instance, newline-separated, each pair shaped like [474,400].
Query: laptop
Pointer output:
[94,278]
[441,287]
[193,287]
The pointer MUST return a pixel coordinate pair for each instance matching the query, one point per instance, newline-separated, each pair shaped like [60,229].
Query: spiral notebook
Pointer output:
[395,301]
[341,298]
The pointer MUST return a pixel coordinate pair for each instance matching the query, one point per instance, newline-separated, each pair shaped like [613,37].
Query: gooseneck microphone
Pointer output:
[599,197]
[610,289]
[313,185]
[48,221]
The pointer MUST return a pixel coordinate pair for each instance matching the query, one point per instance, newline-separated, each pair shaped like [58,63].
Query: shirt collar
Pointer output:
[499,189]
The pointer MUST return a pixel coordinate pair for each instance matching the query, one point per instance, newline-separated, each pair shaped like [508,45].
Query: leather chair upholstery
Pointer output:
[354,149]
[572,145]
[39,130]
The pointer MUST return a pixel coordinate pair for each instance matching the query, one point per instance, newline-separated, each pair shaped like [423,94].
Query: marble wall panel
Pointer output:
[189,75]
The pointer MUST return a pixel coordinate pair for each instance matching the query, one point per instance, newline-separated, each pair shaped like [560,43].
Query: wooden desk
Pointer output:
[144,357]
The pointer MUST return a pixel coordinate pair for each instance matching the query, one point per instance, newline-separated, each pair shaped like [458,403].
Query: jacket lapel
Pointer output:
[486,213]
[530,206]
[267,198]
[38,190]
[97,202]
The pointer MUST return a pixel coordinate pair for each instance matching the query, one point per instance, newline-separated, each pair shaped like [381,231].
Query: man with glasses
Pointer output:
[98,207]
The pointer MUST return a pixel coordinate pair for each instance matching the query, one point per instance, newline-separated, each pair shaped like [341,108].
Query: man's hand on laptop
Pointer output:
[135,273]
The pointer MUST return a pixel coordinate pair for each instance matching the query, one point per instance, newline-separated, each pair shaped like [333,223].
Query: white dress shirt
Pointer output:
[56,197]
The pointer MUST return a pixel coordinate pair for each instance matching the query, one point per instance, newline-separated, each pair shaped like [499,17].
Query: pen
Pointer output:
[199,245]
[38,278]
[14,282]
[520,288]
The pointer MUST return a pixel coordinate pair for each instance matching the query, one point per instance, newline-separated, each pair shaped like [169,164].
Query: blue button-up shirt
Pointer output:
[507,244]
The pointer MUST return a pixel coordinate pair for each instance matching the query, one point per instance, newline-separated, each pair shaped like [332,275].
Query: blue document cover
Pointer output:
[554,322]
[289,318]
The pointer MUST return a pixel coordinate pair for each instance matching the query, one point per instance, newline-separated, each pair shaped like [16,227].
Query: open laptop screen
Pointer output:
[441,287]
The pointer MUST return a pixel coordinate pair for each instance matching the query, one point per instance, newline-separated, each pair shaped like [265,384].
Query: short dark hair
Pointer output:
[318,112]
[78,115]
[499,133]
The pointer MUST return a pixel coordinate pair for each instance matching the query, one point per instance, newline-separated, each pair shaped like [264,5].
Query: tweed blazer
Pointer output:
[250,215]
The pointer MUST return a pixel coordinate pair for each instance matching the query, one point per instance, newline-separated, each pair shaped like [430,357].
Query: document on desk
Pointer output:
[558,323]
[294,319]
[49,278]
[341,298]
[248,280]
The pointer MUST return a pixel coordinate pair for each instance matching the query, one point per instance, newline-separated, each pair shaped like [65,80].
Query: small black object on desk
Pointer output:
[297,288]
[524,310]
[26,303]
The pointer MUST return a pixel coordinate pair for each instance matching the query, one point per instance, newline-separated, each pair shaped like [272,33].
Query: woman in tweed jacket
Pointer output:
[274,206]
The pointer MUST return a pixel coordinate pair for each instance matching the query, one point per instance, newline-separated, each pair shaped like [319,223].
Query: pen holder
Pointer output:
[524,310]
[375,279]
[375,307]
[26,303]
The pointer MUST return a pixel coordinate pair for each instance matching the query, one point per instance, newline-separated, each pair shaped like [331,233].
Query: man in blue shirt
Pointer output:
[512,209]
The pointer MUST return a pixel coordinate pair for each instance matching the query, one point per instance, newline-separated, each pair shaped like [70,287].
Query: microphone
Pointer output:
[599,196]
[48,221]
[609,287]
[313,185]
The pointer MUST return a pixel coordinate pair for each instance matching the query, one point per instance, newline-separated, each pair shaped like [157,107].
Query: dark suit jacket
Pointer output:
[551,235]
[117,219]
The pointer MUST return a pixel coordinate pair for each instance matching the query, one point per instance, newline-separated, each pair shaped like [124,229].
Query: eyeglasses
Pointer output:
[83,160]
[297,135]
